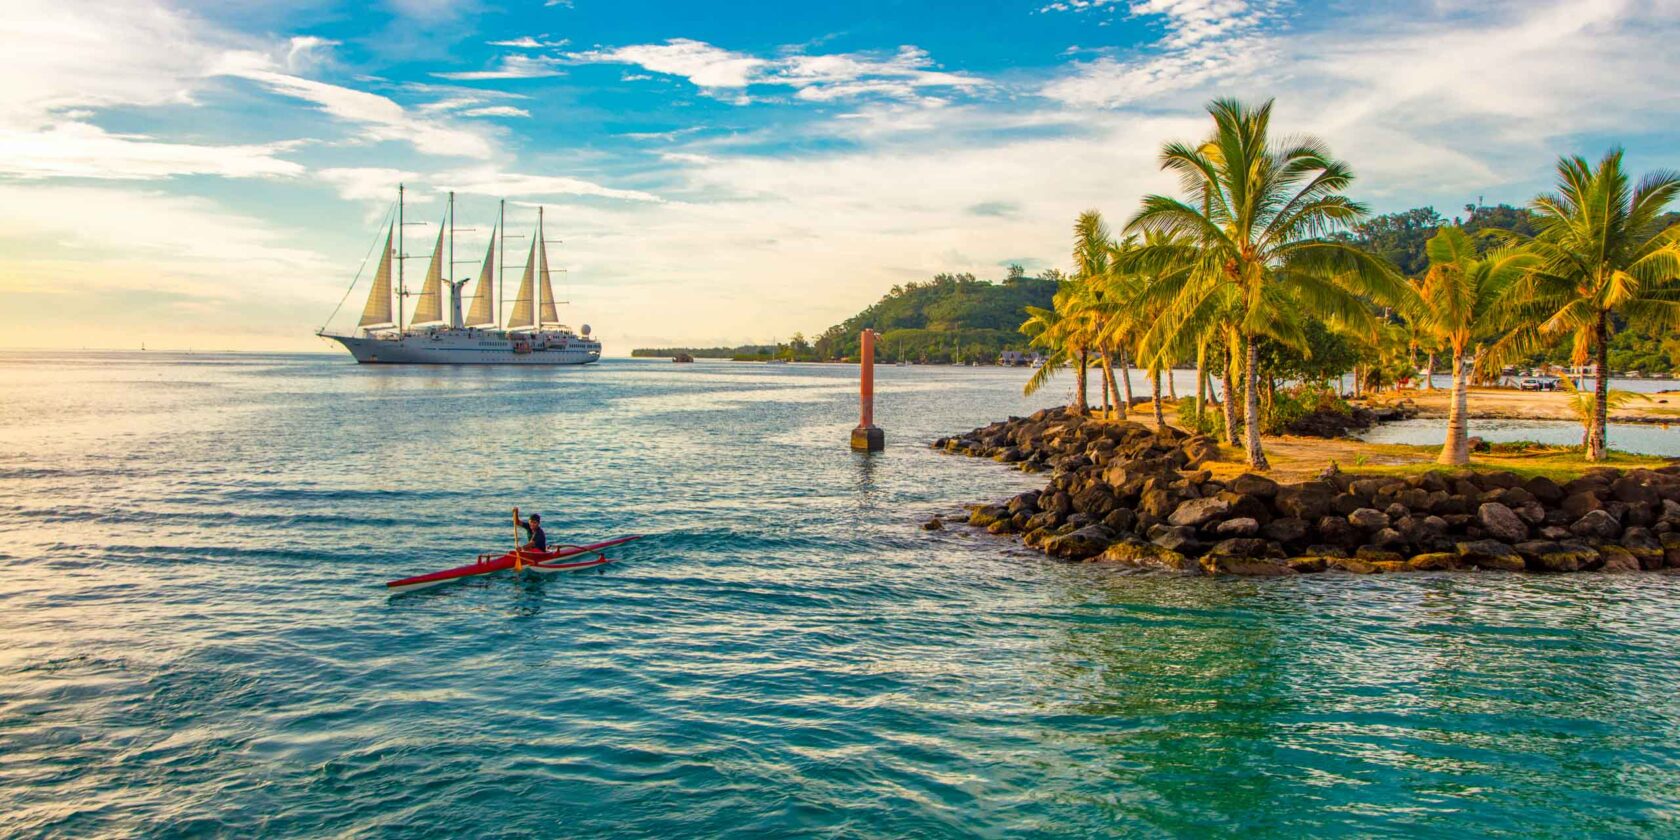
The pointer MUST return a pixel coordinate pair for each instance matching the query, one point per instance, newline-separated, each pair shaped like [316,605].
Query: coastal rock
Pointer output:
[982,516]
[933,524]
[1225,564]
[1199,511]
[1258,486]
[1435,561]
[1580,504]
[1243,527]
[1490,554]
[1287,529]
[1368,519]
[1307,565]
[1088,541]
[1544,489]
[1501,522]
[1121,520]
[1618,560]
[1307,502]
[1139,554]
[1597,524]
[1544,556]
[1355,566]
[1671,549]
[1374,554]
[1644,546]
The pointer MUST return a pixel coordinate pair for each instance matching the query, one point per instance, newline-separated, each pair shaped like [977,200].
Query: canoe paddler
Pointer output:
[533,527]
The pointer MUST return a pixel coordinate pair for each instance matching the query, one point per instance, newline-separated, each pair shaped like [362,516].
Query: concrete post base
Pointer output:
[868,439]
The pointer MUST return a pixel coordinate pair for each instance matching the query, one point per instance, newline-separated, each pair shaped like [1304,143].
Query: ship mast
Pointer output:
[402,260]
[536,291]
[454,291]
[501,263]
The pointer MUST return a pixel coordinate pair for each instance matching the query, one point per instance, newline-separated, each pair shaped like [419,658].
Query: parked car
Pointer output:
[1538,383]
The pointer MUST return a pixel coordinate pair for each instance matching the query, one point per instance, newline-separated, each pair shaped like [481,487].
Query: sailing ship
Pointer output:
[532,334]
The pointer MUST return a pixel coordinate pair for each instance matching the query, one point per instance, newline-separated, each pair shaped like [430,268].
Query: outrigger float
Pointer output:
[553,561]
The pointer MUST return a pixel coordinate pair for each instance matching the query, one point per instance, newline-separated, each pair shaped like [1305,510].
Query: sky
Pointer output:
[212,175]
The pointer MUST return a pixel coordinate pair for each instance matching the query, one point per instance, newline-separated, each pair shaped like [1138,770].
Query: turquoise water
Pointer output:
[1640,438]
[196,640]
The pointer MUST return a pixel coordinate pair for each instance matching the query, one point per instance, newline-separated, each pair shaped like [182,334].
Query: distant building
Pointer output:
[1019,358]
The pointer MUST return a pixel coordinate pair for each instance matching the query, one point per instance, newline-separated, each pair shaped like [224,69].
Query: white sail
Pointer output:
[523,309]
[549,315]
[483,313]
[429,310]
[377,313]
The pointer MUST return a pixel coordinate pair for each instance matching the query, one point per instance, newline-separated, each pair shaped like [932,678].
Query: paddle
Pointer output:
[518,557]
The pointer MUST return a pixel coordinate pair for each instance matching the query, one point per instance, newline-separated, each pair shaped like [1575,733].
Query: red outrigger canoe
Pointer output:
[548,562]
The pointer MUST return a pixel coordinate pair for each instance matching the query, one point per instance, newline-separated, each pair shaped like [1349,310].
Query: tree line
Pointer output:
[1263,269]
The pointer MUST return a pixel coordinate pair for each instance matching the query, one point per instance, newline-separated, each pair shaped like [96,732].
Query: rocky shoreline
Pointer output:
[1124,493]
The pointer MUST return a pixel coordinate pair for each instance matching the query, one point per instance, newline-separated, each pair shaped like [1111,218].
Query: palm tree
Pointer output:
[1258,220]
[1457,302]
[1603,250]
[1585,405]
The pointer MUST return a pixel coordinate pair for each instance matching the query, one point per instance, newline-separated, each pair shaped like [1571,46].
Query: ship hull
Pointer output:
[421,350]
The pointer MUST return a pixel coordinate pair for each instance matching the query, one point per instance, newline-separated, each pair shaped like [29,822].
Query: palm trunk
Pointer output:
[1457,449]
[1201,378]
[1172,387]
[1102,361]
[1125,381]
[1081,399]
[1113,387]
[1160,419]
[1429,373]
[1251,407]
[1597,432]
[1232,363]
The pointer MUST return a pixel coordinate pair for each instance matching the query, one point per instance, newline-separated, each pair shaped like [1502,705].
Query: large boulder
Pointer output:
[1369,519]
[1287,529]
[982,516]
[1501,522]
[1547,556]
[1088,541]
[1644,546]
[1258,486]
[1579,504]
[1240,527]
[1490,554]
[1137,553]
[1435,561]
[1597,524]
[1308,501]
[1618,560]
[1225,564]
[1199,511]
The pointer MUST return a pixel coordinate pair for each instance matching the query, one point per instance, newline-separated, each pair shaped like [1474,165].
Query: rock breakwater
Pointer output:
[1124,493]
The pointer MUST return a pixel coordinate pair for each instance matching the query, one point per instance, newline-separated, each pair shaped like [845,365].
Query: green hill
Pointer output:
[953,317]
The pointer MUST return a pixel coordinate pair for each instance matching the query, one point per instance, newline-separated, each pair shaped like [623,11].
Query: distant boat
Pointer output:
[682,358]
[533,334]
[775,361]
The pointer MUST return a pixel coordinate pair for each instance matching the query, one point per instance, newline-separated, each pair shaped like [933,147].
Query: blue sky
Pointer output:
[210,175]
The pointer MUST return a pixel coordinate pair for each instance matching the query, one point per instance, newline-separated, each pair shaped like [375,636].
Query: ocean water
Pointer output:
[194,639]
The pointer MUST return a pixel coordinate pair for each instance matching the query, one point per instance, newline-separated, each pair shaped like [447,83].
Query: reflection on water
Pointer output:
[197,641]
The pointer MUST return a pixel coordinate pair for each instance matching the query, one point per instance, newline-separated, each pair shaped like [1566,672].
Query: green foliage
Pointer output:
[1294,403]
[1328,355]
[953,317]
[704,352]
[1400,237]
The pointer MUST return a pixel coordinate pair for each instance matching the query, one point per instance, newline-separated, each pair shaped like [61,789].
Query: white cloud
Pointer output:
[904,75]
[376,184]
[527,42]
[80,150]
[380,118]
[1205,41]
[510,67]
[496,111]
